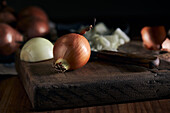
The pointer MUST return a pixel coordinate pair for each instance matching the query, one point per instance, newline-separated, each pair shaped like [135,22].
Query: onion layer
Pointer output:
[71,51]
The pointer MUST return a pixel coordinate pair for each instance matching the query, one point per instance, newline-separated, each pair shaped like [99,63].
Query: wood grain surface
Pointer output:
[13,99]
[97,83]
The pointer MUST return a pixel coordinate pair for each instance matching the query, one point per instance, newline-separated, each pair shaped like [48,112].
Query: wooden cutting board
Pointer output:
[96,83]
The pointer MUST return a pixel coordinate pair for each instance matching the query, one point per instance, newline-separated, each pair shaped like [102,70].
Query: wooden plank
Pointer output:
[13,98]
[97,83]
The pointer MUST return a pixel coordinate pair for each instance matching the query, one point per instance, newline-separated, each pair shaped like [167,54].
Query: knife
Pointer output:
[147,61]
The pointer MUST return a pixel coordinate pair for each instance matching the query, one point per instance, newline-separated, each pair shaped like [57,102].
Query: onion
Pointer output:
[7,14]
[121,34]
[33,27]
[153,37]
[9,39]
[37,49]
[166,45]
[33,11]
[71,51]
[33,22]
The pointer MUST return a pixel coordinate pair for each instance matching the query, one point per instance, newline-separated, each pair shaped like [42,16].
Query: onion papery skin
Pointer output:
[72,48]
[153,37]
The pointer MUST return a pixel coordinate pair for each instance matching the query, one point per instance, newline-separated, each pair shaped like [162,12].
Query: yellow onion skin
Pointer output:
[153,37]
[74,48]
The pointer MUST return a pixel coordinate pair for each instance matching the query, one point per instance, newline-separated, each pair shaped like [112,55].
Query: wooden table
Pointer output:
[13,98]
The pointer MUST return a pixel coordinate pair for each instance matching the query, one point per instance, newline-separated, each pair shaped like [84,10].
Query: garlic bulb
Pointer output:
[37,49]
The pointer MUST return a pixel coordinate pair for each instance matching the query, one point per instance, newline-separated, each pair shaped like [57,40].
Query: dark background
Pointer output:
[137,13]
[62,9]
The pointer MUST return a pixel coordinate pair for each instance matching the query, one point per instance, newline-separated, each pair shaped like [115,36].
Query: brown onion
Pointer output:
[33,22]
[6,13]
[71,51]
[9,39]
[166,45]
[153,37]
[33,11]
[7,17]
[33,27]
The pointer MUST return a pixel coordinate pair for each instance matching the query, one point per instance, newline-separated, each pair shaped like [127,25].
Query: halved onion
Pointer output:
[37,49]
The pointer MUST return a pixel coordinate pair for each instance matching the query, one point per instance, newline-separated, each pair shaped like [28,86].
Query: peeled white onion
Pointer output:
[122,35]
[101,28]
[99,47]
[114,40]
[37,49]
[101,39]
[121,41]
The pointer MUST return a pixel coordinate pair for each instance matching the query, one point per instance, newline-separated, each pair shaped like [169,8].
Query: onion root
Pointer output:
[61,65]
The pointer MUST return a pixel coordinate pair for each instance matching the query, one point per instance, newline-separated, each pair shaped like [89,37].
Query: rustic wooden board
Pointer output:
[96,83]
[13,99]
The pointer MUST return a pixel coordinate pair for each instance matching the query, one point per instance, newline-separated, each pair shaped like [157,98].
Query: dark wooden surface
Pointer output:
[97,83]
[13,99]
